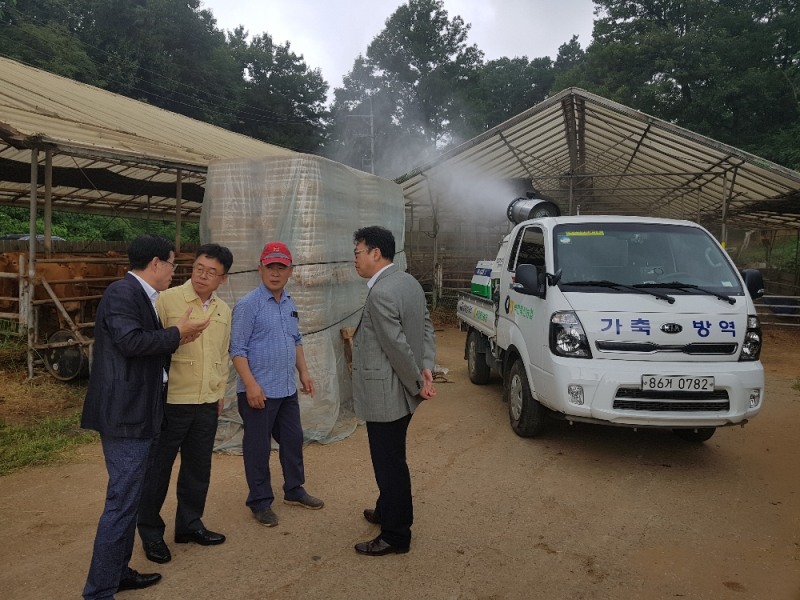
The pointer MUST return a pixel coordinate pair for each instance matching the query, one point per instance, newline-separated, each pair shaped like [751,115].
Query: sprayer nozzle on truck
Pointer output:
[634,321]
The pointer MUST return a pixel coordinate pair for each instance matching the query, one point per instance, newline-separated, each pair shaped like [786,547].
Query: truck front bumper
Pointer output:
[611,391]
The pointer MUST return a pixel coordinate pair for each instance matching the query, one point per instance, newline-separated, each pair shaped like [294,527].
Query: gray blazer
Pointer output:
[392,344]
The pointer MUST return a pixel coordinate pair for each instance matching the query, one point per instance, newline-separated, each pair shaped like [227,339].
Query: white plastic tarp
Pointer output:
[313,205]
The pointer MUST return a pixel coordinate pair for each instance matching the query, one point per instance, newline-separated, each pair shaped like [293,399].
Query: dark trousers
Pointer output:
[127,462]
[280,419]
[190,429]
[394,508]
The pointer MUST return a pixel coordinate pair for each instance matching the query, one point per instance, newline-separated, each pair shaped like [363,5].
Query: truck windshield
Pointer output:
[676,259]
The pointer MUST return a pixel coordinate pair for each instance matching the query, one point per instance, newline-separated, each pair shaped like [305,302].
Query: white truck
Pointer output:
[639,322]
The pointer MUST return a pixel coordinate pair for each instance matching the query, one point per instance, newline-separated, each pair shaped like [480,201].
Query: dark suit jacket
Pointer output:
[131,351]
[392,344]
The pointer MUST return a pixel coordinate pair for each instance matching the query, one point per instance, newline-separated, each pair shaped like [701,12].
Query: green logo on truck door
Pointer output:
[523,311]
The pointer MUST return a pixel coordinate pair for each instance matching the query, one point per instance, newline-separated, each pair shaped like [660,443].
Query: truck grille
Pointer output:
[703,349]
[637,399]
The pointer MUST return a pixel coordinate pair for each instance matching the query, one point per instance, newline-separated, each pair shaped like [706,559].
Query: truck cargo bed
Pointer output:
[477,312]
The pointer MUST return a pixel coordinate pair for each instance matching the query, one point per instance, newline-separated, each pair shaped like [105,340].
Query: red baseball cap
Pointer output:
[276,252]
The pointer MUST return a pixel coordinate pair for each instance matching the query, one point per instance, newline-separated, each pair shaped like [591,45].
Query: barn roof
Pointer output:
[594,156]
[110,154]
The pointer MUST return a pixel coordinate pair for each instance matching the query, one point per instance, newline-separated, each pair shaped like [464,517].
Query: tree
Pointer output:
[5,8]
[164,52]
[504,88]
[414,81]
[37,33]
[728,70]
[169,53]
[283,100]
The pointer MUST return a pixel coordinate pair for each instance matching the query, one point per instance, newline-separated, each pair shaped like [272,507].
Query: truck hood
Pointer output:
[642,327]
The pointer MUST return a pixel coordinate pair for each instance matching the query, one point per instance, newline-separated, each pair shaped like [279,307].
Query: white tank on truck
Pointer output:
[632,321]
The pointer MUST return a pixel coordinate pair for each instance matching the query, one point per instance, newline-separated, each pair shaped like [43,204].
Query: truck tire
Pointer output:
[527,416]
[698,435]
[479,371]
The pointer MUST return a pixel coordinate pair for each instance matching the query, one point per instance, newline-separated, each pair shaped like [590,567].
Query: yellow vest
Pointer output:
[199,370]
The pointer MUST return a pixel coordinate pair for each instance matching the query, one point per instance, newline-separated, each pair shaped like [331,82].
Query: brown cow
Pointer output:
[70,287]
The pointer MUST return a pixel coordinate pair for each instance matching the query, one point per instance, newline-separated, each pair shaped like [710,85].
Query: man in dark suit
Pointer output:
[393,359]
[125,403]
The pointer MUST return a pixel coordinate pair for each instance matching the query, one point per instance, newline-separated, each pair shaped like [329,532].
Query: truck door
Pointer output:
[522,319]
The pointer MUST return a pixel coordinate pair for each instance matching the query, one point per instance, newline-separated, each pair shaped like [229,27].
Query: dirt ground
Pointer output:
[583,512]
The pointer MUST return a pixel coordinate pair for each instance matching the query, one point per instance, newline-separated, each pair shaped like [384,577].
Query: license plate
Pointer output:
[677,383]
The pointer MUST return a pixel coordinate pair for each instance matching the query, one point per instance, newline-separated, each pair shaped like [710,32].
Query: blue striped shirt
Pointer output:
[266,332]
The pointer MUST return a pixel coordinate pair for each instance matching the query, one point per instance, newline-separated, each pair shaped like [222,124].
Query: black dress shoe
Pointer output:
[137,581]
[369,515]
[201,536]
[157,551]
[378,547]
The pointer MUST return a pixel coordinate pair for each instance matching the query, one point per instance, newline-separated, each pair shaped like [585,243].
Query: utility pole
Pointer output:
[371,136]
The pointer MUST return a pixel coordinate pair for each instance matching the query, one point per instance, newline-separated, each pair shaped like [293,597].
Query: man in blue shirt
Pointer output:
[266,348]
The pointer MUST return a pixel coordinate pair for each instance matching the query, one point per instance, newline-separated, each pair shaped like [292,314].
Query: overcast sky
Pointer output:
[330,34]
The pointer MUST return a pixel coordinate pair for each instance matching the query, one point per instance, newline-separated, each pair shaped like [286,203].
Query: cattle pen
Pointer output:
[54,304]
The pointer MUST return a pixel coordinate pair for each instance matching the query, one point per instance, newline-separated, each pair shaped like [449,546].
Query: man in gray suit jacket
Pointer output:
[393,360]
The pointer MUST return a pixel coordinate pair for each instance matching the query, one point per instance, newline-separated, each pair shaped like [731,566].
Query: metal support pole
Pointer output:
[437,283]
[796,263]
[571,185]
[724,231]
[412,235]
[178,211]
[48,202]
[698,206]
[27,283]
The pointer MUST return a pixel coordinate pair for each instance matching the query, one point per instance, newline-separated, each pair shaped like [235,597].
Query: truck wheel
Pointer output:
[479,371]
[526,414]
[698,435]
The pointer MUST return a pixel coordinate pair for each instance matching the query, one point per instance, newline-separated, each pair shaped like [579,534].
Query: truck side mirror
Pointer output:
[529,281]
[754,282]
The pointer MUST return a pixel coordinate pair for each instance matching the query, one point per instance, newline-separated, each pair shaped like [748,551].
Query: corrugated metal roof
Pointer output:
[594,156]
[110,154]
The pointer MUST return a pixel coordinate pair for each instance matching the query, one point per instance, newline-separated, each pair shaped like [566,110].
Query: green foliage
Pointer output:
[169,53]
[784,255]
[79,227]
[52,48]
[283,101]
[5,8]
[727,70]
[41,443]
[505,87]
[781,254]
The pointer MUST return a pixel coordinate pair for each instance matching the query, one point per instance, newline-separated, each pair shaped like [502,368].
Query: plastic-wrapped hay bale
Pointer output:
[330,416]
[326,292]
[313,205]
[308,201]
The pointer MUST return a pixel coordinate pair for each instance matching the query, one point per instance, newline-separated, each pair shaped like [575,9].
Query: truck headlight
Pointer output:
[751,346]
[567,337]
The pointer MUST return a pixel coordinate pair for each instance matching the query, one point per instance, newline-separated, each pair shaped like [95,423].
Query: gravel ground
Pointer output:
[583,512]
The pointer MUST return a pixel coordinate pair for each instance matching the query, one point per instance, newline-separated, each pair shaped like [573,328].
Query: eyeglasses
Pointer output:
[203,272]
[171,264]
[357,252]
